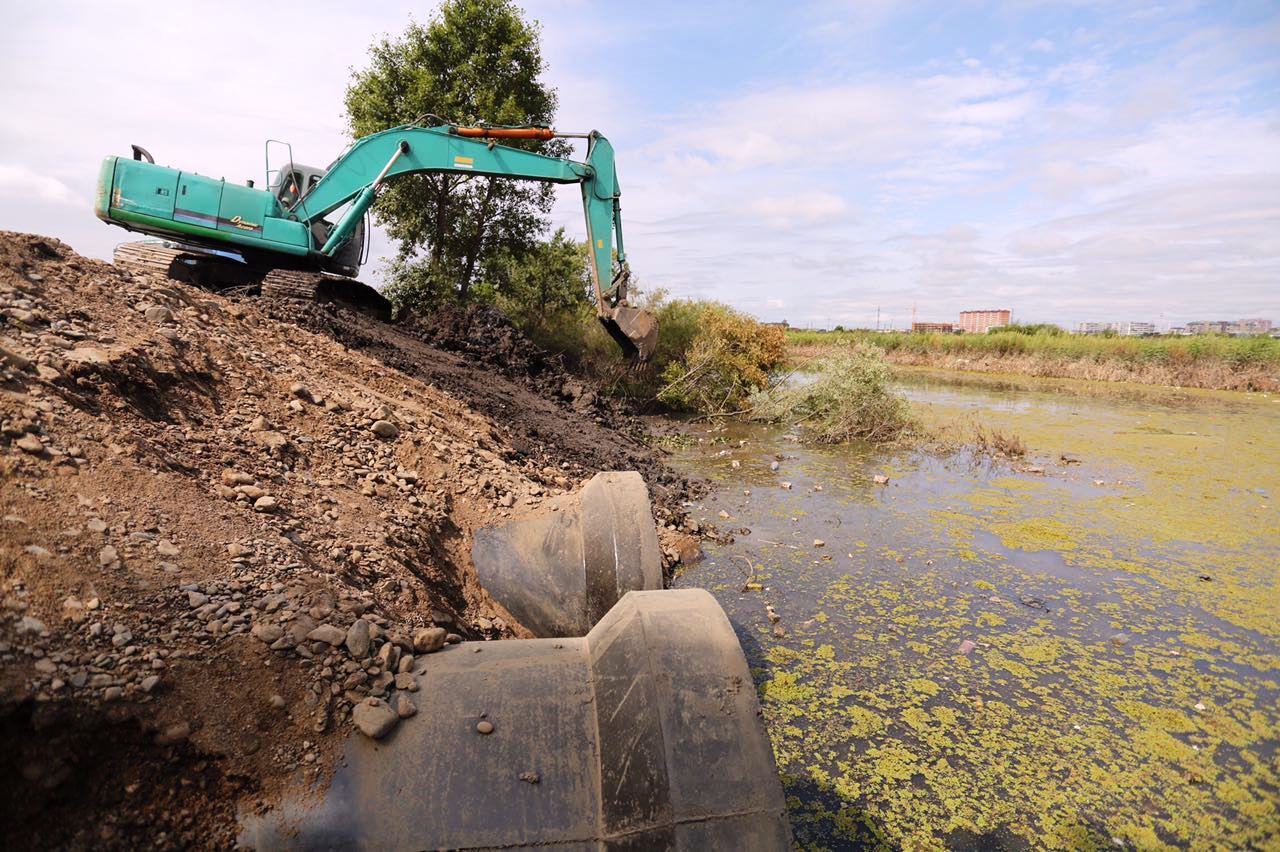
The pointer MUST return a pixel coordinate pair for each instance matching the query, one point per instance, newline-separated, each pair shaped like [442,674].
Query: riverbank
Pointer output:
[228,522]
[1216,363]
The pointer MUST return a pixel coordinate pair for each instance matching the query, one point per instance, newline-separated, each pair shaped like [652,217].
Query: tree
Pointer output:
[476,61]
[554,276]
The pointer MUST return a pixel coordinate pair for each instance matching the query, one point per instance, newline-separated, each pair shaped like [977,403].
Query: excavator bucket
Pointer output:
[634,329]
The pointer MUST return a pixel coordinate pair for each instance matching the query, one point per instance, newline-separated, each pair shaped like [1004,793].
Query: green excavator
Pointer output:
[278,240]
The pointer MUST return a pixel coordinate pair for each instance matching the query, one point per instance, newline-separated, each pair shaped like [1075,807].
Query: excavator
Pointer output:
[280,241]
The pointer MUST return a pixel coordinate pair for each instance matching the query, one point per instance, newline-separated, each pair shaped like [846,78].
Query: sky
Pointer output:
[818,162]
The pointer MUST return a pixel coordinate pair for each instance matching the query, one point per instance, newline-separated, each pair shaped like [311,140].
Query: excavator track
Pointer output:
[214,272]
[318,287]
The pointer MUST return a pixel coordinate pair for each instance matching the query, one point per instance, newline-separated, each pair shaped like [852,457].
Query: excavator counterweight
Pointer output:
[285,227]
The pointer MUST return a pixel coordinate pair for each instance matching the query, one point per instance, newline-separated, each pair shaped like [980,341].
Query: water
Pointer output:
[980,656]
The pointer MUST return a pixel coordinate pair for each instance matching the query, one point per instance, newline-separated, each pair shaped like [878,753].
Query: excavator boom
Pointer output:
[153,199]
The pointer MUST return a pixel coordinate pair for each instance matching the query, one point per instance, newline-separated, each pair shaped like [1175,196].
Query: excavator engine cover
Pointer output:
[559,570]
[645,734]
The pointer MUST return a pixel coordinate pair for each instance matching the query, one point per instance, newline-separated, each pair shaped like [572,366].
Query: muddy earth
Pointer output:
[227,522]
[1075,650]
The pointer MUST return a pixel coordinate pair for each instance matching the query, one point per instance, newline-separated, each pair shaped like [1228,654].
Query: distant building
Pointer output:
[980,322]
[1240,327]
[1250,326]
[1136,329]
[1124,329]
[944,327]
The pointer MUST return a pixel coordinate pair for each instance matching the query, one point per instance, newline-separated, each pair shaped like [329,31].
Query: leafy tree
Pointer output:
[551,278]
[476,61]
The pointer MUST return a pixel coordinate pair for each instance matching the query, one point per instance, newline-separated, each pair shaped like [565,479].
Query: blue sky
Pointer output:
[808,161]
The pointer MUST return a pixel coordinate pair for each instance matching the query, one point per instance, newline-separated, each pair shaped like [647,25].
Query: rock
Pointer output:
[967,646]
[406,681]
[158,314]
[235,550]
[232,478]
[197,599]
[265,504]
[272,440]
[374,717]
[112,693]
[388,655]
[29,444]
[429,639]
[817,542]
[530,777]
[786,486]
[174,734]
[334,636]
[300,390]
[150,682]
[484,726]
[278,702]
[267,633]
[724,516]
[385,429]
[46,666]
[14,359]
[358,639]
[96,525]
[167,548]
[31,624]
[1120,639]
[774,465]
[108,556]
[87,355]
[880,479]
[404,705]
[37,551]
[405,665]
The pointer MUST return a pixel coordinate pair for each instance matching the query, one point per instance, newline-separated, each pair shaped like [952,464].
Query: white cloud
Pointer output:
[798,208]
[20,182]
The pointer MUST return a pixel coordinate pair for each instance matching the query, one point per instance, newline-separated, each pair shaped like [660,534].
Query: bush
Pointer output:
[715,357]
[849,399]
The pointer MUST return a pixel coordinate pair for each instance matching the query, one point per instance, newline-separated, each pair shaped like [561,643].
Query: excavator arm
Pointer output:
[360,171]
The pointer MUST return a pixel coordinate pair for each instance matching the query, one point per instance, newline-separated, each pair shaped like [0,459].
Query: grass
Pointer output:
[1208,361]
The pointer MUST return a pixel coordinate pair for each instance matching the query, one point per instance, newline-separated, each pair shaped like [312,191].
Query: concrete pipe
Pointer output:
[645,734]
[560,570]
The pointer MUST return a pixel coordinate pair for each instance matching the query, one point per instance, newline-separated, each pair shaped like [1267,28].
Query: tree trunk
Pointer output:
[473,252]
[440,189]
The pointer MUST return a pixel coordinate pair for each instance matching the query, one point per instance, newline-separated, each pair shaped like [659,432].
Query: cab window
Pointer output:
[290,182]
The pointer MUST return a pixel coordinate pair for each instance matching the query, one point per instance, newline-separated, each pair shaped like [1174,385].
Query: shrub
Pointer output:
[849,399]
[728,357]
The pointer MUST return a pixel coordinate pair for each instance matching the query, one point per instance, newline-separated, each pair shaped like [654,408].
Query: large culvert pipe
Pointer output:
[559,570]
[645,734]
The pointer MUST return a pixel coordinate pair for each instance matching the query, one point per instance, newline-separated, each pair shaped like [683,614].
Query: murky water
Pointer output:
[980,656]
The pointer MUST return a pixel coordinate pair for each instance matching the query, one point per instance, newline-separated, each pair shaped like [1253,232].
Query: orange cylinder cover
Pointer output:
[507,132]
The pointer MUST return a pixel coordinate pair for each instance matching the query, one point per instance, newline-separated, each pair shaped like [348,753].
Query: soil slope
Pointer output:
[226,522]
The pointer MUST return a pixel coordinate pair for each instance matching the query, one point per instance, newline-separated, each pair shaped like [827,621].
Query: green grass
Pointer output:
[1136,351]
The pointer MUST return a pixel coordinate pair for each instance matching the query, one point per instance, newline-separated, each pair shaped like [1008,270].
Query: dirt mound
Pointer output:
[227,523]
[477,356]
